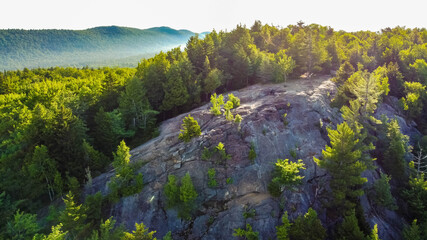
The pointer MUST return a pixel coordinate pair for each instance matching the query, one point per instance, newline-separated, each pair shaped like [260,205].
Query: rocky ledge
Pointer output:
[220,209]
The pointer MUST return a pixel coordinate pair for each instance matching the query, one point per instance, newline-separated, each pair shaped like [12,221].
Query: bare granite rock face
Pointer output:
[220,209]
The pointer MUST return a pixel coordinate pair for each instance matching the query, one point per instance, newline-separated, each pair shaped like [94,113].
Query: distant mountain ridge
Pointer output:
[99,46]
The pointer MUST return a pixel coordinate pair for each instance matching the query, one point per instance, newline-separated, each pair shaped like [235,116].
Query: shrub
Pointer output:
[217,102]
[221,150]
[235,100]
[285,173]
[190,129]
[285,120]
[252,153]
[211,178]
[383,195]
[247,233]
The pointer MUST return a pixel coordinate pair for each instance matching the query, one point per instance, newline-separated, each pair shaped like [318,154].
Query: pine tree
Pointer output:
[282,231]
[121,161]
[374,234]
[73,217]
[23,226]
[247,233]
[187,195]
[140,233]
[190,129]
[349,228]
[342,160]
[307,227]
[176,93]
[171,191]
[343,73]
[217,102]
[394,156]
[412,232]
[383,195]
[285,174]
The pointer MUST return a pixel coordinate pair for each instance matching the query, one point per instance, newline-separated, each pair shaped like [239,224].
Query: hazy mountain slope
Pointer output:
[96,46]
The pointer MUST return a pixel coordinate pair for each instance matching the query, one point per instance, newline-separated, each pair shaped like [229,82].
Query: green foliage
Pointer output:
[396,149]
[307,227]
[56,234]
[249,212]
[207,153]
[171,191]
[187,195]
[420,67]
[238,119]
[416,196]
[233,99]
[293,153]
[73,217]
[190,129]
[374,234]
[212,178]
[140,233]
[252,153]
[247,233]
[413,102]
[217,102]
[412,232]
[282,231]
[342,160]
[168,236]
[382,194]
[285,120]
[228,115]
[285,174]
[213,80]
[349,228]
[182,197]
[343,73]
[222,153]
[126,180]
[23,226]
[93,208]
[229,180]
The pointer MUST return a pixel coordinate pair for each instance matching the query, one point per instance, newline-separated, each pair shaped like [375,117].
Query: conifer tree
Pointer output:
[374,234]
[307,227]
[187,195]
[412,232]
[171,191]
[176,93]
[394,156]
[140,233]
[282,231]
[342,160]
[349,228]
[73,217]
[190,129]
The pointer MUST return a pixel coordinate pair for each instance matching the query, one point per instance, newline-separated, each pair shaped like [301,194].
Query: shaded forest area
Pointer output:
[59,127]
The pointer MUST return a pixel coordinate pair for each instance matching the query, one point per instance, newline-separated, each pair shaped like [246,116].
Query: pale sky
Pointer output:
[205,15]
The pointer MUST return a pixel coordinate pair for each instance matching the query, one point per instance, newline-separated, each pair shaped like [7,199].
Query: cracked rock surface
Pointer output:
[220,209]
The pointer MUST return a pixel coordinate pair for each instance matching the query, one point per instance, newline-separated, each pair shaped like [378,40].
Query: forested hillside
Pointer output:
[100,46]
[61,127]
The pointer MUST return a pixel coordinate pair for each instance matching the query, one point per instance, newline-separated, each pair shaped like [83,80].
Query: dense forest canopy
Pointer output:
[60,126]
[100,46]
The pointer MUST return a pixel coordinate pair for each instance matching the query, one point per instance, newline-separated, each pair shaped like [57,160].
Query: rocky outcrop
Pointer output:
[220,209]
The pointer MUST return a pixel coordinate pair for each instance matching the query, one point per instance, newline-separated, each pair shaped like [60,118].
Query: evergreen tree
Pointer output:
[247,233]
[73,217]
[282,231]
[187,195]
[343,73]
[412,232]
[217,102]
[171,191]
[374,234]
[213,80]
[342,160]
[307,227]
[383,195]
[134,105]
[285,174]
[394,156]
[349,228]
[176,93]
[23,226]
[43,168]
[190,129]
[140,233]
[121,161]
